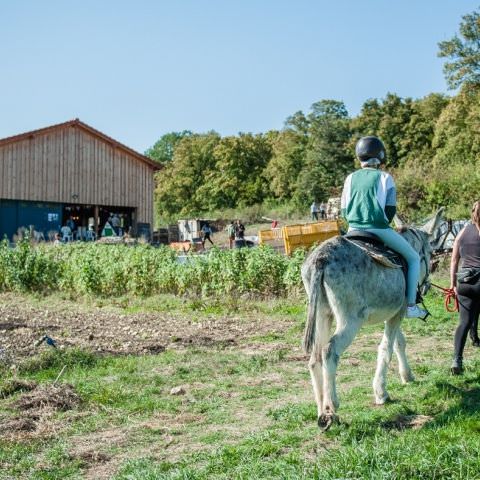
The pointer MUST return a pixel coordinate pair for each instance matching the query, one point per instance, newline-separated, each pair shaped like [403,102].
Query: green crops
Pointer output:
[114,270]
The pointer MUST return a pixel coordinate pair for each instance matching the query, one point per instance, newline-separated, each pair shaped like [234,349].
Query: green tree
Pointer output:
[444,170]
[418,133]
[237,178]
[288,158]
[298,123]
[387,120]
[457,132]
[178,184]
[328,158]
[163,150]
[463,53]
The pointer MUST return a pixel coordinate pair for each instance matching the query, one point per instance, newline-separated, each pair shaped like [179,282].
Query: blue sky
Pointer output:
[139,69]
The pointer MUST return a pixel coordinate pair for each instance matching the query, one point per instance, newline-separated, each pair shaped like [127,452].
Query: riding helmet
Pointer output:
[370,147]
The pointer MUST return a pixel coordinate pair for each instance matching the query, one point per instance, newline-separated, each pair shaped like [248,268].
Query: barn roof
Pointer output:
[87,128]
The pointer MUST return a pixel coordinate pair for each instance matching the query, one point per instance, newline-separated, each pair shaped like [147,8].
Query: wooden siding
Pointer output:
[68,162]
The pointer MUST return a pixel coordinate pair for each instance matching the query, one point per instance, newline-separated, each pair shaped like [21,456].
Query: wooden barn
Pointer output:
[71,172]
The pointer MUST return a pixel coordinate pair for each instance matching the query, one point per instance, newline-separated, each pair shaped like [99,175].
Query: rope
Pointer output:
[449,298]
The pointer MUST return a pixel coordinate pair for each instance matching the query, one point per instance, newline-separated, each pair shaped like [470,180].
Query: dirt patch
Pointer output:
[109,331]
[19,424]
[37,407]
[155,349]
[27,426]
[90,457]
[11,326]
[402,422]
[102,452]
[15,385]
[204,341]
[62,397]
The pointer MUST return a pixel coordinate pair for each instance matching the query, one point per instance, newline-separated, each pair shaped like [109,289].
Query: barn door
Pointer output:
[8,218]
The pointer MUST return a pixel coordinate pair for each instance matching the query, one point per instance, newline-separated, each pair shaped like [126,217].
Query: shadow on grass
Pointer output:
[466,406]
[461,395]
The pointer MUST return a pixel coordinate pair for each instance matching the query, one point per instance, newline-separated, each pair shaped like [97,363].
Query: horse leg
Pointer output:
[385,350]
[404,368]
[339,342]
[315,367]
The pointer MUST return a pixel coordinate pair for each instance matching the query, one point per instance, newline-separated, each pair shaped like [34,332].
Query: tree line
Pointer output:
[433,149]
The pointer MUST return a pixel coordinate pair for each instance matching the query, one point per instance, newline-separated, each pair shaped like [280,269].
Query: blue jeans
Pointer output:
[396,242]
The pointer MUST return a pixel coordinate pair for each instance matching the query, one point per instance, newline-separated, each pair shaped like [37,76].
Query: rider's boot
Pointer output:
[414,311]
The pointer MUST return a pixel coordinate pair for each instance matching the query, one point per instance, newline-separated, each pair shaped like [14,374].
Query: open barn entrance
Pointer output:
[88,222]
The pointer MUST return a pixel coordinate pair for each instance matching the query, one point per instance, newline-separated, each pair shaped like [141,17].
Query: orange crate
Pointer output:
[272,237]
[304,236]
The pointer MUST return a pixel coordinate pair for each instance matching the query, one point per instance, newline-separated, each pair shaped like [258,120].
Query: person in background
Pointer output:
[122,224]
[323,211]
[58,239]
[231,234]
[239,234]
[466,283]
[314,210]
[66,232]
[206,234]
[71,224]
[115,223]
[369,204]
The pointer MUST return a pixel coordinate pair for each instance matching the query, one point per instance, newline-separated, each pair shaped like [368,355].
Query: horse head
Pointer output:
[432,225]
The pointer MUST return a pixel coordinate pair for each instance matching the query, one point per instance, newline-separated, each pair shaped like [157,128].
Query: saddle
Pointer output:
[377,250]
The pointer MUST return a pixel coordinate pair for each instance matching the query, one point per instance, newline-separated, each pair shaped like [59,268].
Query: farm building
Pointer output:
[71,172]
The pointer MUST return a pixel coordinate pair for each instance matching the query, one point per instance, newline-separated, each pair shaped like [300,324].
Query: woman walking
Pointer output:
[466,283]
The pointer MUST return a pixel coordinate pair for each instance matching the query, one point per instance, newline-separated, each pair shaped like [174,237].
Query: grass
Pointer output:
[248,410]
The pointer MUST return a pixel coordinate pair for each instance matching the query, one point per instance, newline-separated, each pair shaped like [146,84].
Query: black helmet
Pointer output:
[370,147]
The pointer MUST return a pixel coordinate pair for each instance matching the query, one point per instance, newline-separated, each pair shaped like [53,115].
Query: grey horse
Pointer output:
[347,286]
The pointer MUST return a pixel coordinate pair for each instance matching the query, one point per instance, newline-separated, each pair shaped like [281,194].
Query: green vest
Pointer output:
[363,209]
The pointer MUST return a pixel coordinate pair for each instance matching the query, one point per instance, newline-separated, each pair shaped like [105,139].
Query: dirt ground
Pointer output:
[107,330]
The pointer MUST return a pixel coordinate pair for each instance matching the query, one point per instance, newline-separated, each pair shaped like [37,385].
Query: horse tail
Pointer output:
[318,314]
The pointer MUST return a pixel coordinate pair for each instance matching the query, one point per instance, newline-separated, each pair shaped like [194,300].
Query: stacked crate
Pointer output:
[290,237]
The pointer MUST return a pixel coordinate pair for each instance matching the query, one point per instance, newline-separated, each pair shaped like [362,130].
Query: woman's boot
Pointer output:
[457,366]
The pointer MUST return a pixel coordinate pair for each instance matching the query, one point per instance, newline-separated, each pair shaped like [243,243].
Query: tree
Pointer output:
[463,52]
[163,150]
[288,159]
[457,134]
[237,178]
[418,133]
[327,156]
[443,168]
[298,123]
[179,182]
[387,120]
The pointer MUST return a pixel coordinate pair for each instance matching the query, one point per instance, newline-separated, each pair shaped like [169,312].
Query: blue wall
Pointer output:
[45,217]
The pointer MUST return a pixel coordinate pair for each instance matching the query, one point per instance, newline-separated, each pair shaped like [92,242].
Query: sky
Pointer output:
[136,70]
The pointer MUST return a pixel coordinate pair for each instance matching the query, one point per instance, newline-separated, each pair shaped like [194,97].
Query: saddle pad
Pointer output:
[385,257]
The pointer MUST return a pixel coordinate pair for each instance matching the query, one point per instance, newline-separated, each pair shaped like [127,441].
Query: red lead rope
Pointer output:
[449,297]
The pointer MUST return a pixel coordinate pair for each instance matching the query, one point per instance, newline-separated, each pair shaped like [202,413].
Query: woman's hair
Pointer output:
[476,213]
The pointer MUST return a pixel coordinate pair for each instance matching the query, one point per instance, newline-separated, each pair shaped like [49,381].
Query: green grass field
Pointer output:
[245,410]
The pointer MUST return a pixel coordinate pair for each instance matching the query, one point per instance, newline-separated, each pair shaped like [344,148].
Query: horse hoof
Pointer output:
[326,421]
[383,400]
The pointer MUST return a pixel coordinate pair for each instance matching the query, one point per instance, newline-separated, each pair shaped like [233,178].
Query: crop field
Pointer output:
[163,387]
